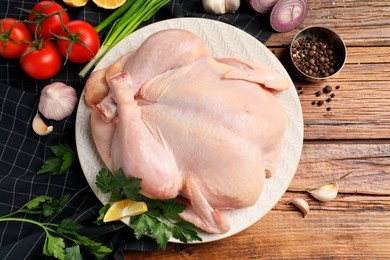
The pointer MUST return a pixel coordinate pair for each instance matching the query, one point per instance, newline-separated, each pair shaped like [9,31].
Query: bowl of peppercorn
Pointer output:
[318,53]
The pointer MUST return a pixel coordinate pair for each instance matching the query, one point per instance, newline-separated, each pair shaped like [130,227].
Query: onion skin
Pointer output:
[287,15]
[262,6]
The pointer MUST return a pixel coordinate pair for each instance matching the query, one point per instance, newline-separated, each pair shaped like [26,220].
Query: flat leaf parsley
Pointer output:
[58,234]
[162,219]
[64,158]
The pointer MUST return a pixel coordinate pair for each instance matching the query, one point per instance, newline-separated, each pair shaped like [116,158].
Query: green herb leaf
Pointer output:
[161,232]
[64,159]
[172,209]
[131,189]
[54,246]
[119,185]
[36,202]
[67,161]
[95,248]
[101,252]
[144,223]
[73,253]
[104,181]
[51,165]
[102,212]
[54,206]
[68,226]
[185,232]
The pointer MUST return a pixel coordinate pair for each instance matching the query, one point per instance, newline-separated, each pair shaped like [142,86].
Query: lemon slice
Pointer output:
[109,4]
[76,3]
[123,209]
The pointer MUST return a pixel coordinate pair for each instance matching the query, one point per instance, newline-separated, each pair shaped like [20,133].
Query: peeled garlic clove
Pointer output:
[40,127]
[232,5]
[301,204]
[326,192]
[214,6]
[57,101]
[220,6]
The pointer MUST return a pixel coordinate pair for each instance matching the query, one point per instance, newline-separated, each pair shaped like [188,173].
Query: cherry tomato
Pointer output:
[13,35]
[42,62]
[79,33]
[48,25]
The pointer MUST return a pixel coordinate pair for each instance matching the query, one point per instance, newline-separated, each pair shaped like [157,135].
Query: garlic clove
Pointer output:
[214,6]
[232,5]
[57,101]
[301,204]
[40,127]
[326,192]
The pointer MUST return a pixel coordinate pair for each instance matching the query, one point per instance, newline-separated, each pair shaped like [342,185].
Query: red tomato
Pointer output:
[12,37]
[78,31]
[48,25]
[43,62]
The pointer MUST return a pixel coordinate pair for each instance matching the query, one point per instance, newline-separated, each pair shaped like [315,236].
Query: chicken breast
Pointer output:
[206,131]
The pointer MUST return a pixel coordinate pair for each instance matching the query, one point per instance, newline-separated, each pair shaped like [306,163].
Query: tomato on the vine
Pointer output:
[46,19]
[13,36]
[41,60]
[79,42]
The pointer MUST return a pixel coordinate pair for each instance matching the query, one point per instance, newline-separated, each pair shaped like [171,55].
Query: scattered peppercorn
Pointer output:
[327,89]
[325,95]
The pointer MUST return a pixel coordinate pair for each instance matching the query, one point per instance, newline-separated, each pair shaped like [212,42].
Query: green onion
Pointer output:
[126,20]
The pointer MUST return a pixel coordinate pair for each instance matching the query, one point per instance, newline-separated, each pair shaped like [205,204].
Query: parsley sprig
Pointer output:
[161,221]
[58,234]
[64,158]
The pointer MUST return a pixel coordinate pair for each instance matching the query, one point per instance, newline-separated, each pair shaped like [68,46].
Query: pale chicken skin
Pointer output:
[206,131]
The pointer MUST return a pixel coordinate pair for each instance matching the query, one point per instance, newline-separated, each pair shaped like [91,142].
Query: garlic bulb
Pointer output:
[57,101]
[301,204]
[220,6]
[40,127]
[326,192]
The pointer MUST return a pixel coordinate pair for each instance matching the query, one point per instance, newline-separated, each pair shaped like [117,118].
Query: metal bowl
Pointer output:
[324,35]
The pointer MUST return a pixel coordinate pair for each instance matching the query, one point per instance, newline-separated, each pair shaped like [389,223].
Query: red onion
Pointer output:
[287,15]
[262,6]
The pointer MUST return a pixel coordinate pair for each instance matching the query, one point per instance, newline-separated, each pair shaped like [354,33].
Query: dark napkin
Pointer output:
[22,152]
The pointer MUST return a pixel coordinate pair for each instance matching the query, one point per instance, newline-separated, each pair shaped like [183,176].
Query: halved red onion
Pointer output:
[262,6]
[287,15]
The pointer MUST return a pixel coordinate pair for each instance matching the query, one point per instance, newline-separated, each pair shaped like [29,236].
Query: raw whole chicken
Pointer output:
[206,131]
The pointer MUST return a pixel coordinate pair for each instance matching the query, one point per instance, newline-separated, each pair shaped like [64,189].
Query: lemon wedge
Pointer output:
[76,3]
[123,209]
[109,4]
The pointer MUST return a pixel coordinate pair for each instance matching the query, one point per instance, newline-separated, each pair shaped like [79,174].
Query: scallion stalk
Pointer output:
[114,16]
[126,20]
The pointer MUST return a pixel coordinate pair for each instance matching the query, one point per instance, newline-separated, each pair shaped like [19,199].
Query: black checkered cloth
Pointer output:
[22,152]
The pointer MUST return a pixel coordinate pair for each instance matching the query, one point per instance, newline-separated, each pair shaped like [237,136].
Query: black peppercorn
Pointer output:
[327,89]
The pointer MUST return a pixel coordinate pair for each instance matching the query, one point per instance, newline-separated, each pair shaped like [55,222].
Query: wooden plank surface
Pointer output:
[284,233]
[349,144]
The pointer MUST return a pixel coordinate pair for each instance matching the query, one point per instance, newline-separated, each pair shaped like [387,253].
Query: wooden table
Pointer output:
[349,144]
